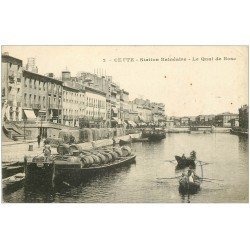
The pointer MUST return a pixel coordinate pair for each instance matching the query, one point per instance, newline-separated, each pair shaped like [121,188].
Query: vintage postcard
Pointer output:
[125,124]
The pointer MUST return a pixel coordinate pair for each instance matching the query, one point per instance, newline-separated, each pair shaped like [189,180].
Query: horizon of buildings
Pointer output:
[86,99]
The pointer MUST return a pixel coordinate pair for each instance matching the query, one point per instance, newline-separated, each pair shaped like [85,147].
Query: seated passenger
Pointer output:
[190,175]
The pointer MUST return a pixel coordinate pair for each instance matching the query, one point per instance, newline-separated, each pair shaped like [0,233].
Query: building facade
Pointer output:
[11,88]
[224,119]
[86,99]
[96,107]
[41,97]
[185,121]
[73,108]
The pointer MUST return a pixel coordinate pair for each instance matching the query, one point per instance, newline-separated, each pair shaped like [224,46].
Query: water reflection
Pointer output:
[138,182]
[49,193]
[243,144]
[39,194]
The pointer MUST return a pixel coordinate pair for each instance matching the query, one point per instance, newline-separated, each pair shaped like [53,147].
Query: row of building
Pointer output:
[85,100]
[226,119]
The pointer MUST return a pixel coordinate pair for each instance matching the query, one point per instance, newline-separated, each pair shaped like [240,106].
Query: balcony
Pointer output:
[36,106]
[68,117]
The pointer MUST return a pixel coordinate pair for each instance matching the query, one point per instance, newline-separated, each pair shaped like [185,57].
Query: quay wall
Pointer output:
[186,130]
[178,130]
[221,130]
[21,149]
[32,132]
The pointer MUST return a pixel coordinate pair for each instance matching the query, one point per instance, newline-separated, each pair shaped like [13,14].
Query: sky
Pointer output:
[196,86]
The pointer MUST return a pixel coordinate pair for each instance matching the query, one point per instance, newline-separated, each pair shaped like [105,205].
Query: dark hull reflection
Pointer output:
[69,179]
[39,193]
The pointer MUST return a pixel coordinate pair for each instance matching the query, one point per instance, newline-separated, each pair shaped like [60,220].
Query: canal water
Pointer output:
[141,182]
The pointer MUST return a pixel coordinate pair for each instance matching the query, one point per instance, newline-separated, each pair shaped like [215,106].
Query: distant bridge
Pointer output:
[200,126]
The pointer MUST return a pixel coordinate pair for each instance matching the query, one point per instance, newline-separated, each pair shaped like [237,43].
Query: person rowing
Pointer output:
[191,175]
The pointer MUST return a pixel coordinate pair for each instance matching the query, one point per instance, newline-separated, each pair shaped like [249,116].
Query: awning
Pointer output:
[115,110]
[117,120]
[42,111]
[134,124]
[30,115]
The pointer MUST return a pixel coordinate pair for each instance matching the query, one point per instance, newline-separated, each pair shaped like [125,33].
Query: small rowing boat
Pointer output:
[9,170]
[154,134]
[125,141]
[183,162]
[13,183]
[189,185]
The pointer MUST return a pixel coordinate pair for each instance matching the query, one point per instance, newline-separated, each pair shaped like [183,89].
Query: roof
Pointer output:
[71,86]
[95,91]
[11,59]
[27,73]
[227,113]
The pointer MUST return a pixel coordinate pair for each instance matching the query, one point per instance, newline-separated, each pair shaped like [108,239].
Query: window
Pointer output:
[26,82]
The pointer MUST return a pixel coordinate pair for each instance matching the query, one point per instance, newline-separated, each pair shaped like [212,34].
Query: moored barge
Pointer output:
[77,166]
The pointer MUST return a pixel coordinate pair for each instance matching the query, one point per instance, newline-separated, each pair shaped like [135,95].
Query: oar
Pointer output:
[211,179]
[204,163]
[168,178]
[171,161]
